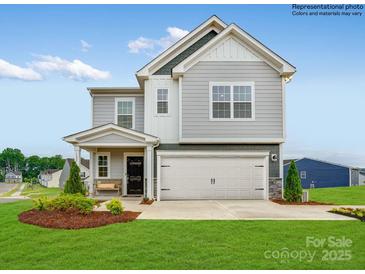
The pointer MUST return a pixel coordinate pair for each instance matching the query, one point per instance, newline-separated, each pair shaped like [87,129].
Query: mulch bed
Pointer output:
[283,202]
[73,219]
[146,202]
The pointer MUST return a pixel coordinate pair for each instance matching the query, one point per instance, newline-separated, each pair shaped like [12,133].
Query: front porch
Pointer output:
[121,160]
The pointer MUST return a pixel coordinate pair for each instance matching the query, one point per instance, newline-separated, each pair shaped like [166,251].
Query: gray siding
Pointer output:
[355,177]
[104,107]
[64,175]
[274,167]
[195,101]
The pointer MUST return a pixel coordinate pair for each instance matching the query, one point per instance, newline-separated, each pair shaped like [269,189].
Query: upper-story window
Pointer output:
[162,101]
[124,109]
[232,101]
[303,174]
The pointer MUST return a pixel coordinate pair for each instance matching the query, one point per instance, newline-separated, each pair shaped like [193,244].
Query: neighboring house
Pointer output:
[84,171]
[13,177]
[50,177]
[207,121]
[319,174]
[362,177]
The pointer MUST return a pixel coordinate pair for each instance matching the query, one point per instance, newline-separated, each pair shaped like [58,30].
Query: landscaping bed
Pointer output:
[72,219]
[283,202]
[358,213]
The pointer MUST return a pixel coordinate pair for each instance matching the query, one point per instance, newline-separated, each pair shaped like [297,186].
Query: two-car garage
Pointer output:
[189,175]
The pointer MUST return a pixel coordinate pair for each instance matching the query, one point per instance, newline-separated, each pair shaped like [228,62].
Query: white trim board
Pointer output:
[187,140]
[130,133]
[180,46]
[268,56]
[212,153]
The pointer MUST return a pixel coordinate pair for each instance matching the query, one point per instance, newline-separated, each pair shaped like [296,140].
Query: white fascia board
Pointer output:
[231,140]
[108,132]
[211,153]
[132,134]
[275,61]
[113,145]
[145,71]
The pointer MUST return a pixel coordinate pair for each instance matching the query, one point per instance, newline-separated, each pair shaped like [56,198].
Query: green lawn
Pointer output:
[172,244]
[339,195]
[38,190]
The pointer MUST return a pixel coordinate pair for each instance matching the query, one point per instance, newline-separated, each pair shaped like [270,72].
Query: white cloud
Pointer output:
[76,69]
[154,46]
[85,46]
[11,71]
[141,43]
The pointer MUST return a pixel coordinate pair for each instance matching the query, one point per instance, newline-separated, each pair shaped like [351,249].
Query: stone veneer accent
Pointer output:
[275,188]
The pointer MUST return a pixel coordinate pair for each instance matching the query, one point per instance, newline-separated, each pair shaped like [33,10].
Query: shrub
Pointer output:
[74,183]
[115,207]
[293,187]
[42,203]
[65,202]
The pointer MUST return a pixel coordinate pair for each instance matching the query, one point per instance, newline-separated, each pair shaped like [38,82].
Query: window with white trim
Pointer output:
[162,101]
[232,101]
[125,112]
[303,175]
[103,165]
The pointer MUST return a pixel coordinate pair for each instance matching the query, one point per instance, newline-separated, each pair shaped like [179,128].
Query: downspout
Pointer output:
[153,168]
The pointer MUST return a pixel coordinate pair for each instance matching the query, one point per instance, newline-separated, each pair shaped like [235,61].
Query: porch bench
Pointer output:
[112,185]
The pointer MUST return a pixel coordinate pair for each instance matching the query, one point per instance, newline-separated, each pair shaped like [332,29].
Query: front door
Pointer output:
[135,175]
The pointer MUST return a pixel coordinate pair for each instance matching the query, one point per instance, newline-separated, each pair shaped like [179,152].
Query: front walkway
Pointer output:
[230,210]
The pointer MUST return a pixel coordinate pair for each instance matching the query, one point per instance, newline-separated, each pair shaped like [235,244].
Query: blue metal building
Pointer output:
[319,174]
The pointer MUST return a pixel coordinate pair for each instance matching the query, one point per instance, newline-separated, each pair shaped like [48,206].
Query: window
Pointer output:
[125,112]
[303,175]
[162,101]
[103,165]
[221,101]
[232,101]
[242,102]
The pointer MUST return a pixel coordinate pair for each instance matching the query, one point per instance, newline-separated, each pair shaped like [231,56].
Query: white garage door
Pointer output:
[213,178]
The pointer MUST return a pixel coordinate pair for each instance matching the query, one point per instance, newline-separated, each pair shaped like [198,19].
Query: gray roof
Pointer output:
[49,171]
[84,162]
[287,161]
[317,160]
[14,172]
[167,68]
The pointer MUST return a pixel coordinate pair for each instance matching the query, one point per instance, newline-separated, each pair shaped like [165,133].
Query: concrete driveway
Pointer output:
[231,210]
[5,187]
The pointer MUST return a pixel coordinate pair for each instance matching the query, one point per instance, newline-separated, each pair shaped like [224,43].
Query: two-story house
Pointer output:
[207,121]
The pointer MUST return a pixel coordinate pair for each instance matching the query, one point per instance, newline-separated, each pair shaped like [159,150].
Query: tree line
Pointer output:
[12,159]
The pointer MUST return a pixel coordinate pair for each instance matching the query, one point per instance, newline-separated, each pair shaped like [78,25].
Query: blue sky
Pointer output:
[43,89]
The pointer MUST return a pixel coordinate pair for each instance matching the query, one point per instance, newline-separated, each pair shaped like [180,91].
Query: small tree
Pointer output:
[74,183]
[293,187]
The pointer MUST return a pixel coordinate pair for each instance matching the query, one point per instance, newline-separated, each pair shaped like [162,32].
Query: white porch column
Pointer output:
[91,174]
[77,155]
[149,160]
